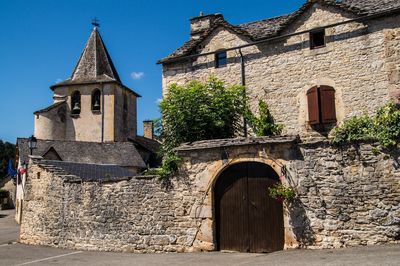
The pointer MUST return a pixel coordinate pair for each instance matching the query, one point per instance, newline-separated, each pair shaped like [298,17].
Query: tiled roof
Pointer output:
[118,153]
[48,108]
[273,26]
[76,172]
[151,145]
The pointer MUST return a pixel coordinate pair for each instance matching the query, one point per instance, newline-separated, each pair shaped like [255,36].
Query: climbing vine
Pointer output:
[263,124]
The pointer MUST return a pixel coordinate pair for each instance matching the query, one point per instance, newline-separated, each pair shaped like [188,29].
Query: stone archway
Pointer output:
[247,219]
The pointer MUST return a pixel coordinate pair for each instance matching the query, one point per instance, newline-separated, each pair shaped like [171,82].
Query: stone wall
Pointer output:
[359,61]
[346,197]
[139,214]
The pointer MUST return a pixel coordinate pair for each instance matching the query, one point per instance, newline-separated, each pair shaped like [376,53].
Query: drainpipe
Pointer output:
[102,112]
[243,83]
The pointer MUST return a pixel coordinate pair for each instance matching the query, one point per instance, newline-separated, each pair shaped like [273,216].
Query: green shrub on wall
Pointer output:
[383,127]
[387,125]
[354,129]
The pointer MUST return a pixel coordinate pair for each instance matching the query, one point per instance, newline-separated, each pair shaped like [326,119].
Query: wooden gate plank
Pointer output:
[232,209]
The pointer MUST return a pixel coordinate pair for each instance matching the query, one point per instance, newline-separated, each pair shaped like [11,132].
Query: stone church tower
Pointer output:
[93,104]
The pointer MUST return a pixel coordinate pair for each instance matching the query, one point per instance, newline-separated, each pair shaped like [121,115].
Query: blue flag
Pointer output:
[11,171]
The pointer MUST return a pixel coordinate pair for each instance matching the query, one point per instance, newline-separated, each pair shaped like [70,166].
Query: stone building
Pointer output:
[334,49]
[93,121]
[315,67]
[93,104]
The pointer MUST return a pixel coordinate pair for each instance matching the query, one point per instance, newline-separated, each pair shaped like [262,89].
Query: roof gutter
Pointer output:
[266,40]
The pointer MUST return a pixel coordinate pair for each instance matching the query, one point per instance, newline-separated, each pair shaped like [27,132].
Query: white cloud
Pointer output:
[137,75]
[159,100]
[58,80]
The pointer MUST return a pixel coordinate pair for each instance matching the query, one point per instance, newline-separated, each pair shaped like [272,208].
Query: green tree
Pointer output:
[7,152]
[198,111]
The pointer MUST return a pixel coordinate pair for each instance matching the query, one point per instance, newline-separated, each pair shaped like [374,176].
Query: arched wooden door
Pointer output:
[247,218]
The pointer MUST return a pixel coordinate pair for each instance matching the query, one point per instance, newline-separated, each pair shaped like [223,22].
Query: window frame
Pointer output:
[218,59]
[312,39]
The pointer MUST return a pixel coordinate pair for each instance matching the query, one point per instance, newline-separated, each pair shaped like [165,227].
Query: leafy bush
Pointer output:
[354,129]
[7,152]
[198,111]
[383,127]
[387,125]
[3,194]
[201,111]
[264,124]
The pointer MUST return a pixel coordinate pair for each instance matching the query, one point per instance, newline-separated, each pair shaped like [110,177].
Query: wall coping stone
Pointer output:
[232,142]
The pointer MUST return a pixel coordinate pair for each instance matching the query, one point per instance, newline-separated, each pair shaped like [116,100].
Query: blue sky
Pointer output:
[41,41]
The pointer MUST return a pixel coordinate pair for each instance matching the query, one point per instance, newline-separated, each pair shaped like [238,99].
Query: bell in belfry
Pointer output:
[96,105]
[76,108]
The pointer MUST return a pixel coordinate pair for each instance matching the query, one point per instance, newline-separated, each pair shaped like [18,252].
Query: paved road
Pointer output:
[19,254]
[9,229]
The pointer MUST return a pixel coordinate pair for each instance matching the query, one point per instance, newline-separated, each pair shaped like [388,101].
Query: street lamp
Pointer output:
[32,143]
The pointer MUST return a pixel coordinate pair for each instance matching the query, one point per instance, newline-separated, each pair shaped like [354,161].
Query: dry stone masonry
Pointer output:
[346,197]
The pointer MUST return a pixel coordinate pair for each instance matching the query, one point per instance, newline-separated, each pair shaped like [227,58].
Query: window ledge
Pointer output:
[96,112]
[75,115]
[317,51]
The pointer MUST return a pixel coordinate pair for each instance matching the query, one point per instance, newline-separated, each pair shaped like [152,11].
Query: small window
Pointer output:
[96,100]
[321,105]
[125,103]
[317,39]
[220,59]
[76,103]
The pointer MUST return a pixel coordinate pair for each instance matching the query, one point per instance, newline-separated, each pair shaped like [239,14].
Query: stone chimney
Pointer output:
[201,23]
[148,129]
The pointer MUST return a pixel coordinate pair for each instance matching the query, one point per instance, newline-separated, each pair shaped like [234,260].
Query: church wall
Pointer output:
[345,197]
[125,119]
[51,124]
[359,61]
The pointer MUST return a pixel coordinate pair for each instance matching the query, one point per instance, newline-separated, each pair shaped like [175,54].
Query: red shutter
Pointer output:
[313,112]
[328,110]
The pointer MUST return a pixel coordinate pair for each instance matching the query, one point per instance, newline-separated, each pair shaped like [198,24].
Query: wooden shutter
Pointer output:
[313,110]
[328,110]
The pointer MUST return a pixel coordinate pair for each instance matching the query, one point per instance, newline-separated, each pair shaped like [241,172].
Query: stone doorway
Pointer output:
[247,219]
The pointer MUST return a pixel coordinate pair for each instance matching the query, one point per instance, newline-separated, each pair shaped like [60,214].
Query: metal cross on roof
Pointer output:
[96,22]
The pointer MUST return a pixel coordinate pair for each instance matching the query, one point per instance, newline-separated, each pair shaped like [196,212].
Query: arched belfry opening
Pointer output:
[247,218]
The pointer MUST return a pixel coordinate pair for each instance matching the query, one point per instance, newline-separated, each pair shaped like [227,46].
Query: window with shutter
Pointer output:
[321,105]
[328,110]
[313,109]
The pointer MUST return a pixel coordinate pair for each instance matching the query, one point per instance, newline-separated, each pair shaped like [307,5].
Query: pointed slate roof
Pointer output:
[95,61]
[95,65]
